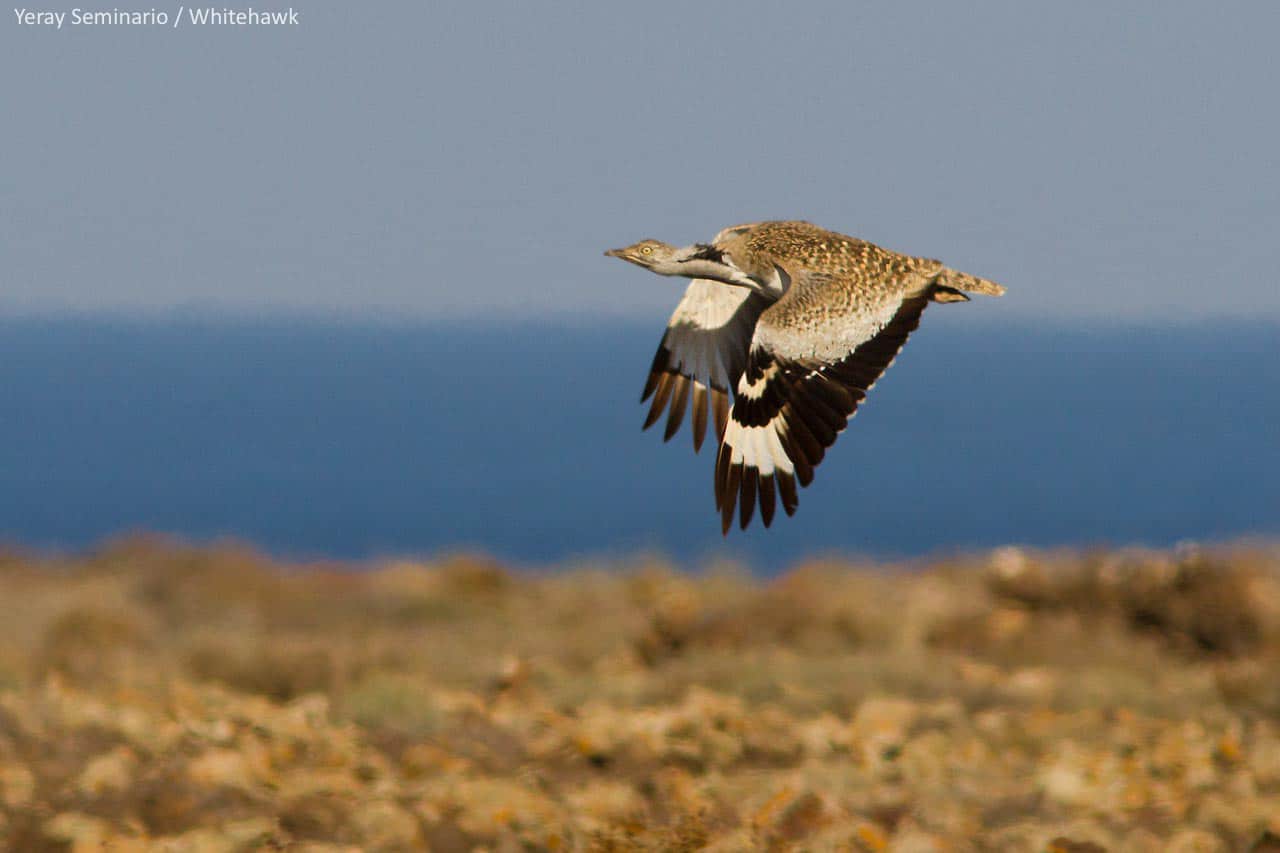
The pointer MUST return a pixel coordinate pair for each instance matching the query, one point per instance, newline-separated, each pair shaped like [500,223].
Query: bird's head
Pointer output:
[700,260]
[651,254]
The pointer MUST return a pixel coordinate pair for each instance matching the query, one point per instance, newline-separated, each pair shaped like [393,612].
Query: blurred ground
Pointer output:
[156,697]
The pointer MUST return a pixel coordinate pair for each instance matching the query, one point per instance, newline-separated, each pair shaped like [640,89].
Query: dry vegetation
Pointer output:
[154,697]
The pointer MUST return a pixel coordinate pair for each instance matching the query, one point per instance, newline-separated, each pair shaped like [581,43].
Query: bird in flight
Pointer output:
[797,323]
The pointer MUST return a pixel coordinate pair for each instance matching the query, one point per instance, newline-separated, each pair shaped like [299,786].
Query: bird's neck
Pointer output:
[726,273]
[700,261]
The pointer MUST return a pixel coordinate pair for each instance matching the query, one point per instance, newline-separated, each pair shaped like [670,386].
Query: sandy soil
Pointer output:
[156,697]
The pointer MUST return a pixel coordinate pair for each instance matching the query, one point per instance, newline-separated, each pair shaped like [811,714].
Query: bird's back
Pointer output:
[796,245]
[859,266]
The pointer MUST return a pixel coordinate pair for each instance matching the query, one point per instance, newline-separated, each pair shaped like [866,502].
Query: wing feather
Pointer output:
[701,356]
[813,358]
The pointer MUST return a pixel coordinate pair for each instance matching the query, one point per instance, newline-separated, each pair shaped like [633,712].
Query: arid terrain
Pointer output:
[159,697]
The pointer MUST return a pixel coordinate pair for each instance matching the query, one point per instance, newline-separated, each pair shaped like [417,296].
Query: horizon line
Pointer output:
[478,319]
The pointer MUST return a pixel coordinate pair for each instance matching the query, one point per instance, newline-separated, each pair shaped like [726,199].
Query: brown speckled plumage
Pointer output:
[755,247]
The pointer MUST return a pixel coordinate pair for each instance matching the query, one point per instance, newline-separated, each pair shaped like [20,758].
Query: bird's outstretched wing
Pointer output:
[814,356]
[702,354]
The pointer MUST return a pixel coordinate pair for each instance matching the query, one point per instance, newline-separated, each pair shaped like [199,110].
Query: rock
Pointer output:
[1064,781]
[387,826]
[600,804]
[1032,684]
[81,831]
[1196,841]
[112,771]
[880,728]
[225,768]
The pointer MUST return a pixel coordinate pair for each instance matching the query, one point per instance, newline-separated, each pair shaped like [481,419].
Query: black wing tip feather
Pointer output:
[650,385]
[662,390]
[726,486]
[679,399]
[747,496]
[658,370]
[787,491]
[677,394]
[699,422]
[741,488]
[767,500]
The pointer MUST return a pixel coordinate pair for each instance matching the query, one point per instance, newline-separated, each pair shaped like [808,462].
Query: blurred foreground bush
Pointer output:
[158,697]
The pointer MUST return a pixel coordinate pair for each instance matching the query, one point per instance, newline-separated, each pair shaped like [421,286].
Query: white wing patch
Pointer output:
[758,447]
[701,356]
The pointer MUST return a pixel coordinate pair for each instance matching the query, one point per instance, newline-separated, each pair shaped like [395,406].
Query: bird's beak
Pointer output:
[615,253]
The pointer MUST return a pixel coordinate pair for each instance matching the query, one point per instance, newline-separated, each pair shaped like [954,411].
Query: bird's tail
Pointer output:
[963,281]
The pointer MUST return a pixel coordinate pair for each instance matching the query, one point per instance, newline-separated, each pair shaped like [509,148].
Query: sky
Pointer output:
[439,161]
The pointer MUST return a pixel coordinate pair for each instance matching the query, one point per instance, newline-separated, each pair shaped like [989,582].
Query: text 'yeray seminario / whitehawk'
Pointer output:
[195,17]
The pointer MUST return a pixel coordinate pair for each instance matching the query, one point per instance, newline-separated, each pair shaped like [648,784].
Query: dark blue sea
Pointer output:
[351,440]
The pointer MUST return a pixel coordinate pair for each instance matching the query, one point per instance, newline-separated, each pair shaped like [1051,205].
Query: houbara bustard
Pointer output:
[798,323]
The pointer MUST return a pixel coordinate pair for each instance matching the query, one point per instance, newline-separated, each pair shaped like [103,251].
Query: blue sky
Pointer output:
[441,160]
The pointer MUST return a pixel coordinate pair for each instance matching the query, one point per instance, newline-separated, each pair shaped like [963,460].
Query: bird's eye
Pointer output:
[647,250]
